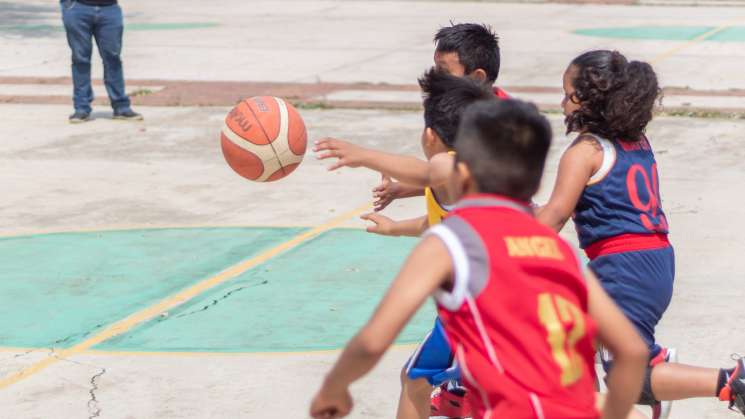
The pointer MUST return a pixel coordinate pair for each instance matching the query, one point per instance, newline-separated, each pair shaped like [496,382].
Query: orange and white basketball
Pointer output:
[263,139]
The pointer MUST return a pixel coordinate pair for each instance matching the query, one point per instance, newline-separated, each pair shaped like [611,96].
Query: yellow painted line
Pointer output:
[170,354]
[669,53]
[179,298]
[96,352]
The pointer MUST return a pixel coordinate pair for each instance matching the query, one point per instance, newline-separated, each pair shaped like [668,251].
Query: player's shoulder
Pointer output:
[500,93]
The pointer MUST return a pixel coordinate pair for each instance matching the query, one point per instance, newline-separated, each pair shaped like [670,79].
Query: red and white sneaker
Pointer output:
[661,410]
[449,402]
[734,391]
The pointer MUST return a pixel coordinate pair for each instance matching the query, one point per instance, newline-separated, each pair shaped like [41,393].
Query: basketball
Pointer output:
[263,139]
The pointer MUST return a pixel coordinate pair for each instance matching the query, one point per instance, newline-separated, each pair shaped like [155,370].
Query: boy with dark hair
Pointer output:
[463,50]
[471,50]
[503,283]
[445,98]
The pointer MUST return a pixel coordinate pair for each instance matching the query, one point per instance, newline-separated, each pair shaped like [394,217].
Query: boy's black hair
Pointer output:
[504,144]
[617,97]
[445,98]
[476,45]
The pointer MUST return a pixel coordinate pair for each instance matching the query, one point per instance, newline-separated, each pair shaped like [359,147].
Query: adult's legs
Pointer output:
[109,30]
[78,22]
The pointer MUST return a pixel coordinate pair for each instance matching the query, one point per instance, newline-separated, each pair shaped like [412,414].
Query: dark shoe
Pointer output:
[80,117]
[449,401]
[734,391]
[127,115]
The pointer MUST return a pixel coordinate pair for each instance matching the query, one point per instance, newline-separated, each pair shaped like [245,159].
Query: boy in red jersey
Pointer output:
[511,293]
[608,183]
[445,99]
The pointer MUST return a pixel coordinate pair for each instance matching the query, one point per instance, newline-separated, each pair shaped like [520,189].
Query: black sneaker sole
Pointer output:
[740,404]
[128,118]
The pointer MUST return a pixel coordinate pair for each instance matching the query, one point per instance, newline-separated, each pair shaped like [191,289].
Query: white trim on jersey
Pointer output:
[453,300]
[484,336]
[468,376]
[609,160]
[537,406]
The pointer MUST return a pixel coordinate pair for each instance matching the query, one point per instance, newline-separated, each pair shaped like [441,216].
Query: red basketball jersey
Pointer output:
[516,315]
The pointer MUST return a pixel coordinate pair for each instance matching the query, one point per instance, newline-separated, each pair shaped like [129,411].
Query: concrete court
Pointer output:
[168,172]
[370,41]
[137,175]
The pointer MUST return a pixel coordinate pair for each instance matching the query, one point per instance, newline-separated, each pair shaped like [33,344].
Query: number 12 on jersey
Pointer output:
[557,314]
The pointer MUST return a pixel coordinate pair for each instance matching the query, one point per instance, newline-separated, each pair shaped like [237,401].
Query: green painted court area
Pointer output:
[313,297]
[667,33]
[56,289]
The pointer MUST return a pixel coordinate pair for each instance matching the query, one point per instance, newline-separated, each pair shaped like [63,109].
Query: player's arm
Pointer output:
[385,226]
[576,167]
[428,267]
[441,167]
[630,354]
[407,169]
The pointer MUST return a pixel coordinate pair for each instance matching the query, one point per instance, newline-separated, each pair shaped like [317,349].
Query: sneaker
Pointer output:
[734,391]
[79,117]
[449,401]
[661,410]
[127,115]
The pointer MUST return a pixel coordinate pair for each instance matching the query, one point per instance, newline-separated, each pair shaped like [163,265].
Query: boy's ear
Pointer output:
[479,75]
[464,173]
[465,183]
[430,136]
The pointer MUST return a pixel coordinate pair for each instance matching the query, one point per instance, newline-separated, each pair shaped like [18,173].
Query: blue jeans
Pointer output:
[105,24]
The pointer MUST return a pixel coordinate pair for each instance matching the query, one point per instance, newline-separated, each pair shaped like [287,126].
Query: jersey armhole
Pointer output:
[609,160]
[470,261]
[453,299]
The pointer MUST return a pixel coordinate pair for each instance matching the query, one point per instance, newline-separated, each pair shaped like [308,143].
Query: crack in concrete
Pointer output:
[24,353]
[93,402]
[93,409]
[216,301]
[76,335]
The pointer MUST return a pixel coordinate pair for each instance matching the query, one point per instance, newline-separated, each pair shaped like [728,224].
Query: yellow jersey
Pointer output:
[435,210]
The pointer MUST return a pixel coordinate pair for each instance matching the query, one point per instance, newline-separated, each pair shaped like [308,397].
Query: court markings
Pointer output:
[190,292]
[200,354]
[678,48]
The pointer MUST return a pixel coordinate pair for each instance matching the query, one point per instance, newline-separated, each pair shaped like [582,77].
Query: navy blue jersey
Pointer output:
[623,197]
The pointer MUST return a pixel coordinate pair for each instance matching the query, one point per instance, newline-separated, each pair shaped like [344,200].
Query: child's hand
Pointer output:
[385,193]
[330,404]
[383,225]
[348,154]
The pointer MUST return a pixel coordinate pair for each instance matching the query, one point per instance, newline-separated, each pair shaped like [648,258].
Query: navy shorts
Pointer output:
[641,284]
[433,359]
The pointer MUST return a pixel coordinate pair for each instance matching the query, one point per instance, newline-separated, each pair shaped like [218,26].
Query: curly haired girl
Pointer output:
[608,183]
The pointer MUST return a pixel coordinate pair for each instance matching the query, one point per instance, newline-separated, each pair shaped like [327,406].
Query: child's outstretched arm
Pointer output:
[427,268]
[386,227]
[579,162]
[407,169]
[630,354]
